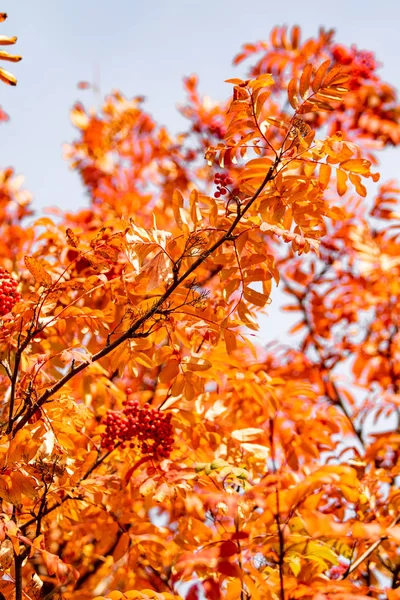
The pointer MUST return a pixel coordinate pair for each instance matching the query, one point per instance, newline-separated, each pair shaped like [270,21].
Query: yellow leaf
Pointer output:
[79,118]
[263,80]
[248,434]
[294,562]
[115,595]
[65,441]
[144,360]
[256,450]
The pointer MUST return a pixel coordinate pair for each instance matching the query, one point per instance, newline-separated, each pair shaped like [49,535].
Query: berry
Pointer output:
[222,181]
[362,64]
[8,292]
[148,428]
[217,128]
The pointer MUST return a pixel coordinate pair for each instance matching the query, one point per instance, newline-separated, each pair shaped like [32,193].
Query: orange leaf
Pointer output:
[324,175]
[177,207]
[71,238]
[295,37]
[193,363]
[122,547]
[305,80]
[247,435]
[356,181]
[7,77]
[319,75]
[169,372]
[230,341]
[255,297]
[356,165]
[341,178]
[292,93]
[37,270]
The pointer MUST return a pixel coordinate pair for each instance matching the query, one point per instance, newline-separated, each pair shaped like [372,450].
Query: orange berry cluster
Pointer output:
[222,181]
[8,292]
[148,428]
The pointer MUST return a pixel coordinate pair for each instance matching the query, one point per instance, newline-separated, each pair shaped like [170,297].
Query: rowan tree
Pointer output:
[146,441]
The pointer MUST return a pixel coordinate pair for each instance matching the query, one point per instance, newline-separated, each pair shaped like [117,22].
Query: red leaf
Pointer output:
[193,593]
[227,568]
[228,549]
[211,589]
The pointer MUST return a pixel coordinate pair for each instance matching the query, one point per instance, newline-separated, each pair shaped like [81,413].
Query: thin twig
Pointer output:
[368,551]
[50,509]
[135,330]
[277,515]
[328,383]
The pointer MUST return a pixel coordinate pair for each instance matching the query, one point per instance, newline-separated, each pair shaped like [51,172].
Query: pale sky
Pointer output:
[145,48]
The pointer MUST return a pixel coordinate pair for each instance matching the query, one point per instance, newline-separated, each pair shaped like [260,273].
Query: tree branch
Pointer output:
[368,551]
[45,511]
[134,330]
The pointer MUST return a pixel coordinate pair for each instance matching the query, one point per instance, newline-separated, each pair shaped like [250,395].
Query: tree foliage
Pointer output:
[146,441]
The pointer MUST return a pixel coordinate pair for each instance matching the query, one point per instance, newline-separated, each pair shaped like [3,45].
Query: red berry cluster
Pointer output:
[222,181]
[217,129]
[8,292]
[148,428]
[363,63]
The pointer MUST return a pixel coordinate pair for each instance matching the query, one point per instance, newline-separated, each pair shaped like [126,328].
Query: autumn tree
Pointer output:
[149,448]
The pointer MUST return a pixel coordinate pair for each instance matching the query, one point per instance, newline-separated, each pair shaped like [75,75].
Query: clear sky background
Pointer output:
[145,48]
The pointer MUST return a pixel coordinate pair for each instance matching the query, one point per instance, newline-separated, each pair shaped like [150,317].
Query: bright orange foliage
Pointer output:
[146,442]
[6,76]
